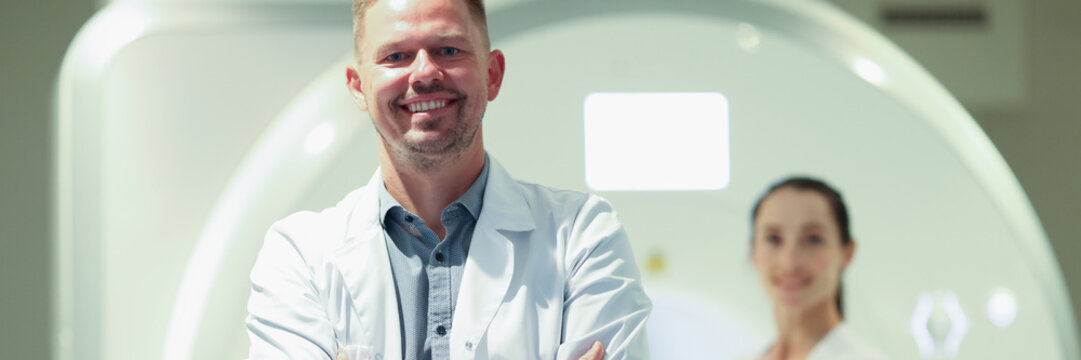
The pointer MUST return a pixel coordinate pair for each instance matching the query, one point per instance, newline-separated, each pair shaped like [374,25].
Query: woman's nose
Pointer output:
[789,257]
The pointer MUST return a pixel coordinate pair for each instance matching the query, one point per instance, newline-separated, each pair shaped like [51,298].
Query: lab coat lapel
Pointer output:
[365,268]
[504,219]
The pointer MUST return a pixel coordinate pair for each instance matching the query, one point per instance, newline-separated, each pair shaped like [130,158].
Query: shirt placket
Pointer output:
[440,298]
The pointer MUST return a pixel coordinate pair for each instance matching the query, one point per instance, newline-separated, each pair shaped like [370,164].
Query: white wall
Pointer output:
[33,38]
[1040,141]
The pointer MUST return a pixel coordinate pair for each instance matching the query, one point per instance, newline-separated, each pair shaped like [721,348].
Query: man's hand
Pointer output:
[596,352]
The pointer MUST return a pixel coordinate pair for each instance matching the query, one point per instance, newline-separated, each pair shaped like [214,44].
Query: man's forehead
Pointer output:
[397,4]
[382,29]
[398,16]
[404,33]
[415,9]
[433,30]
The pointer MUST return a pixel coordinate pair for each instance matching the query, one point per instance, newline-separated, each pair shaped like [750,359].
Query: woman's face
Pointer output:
[797,249]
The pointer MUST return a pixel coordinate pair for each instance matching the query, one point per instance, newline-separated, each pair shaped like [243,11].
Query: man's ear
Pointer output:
[352,80]
[496,67]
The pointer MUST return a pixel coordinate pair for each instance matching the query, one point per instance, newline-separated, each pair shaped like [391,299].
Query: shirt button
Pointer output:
[409,218]
[439,257]
[441,330]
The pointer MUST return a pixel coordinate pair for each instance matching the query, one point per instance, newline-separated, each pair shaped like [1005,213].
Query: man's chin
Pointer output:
[434,146]
[435,143]
[427,143]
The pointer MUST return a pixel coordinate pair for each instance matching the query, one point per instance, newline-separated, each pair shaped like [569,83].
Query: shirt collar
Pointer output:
[472,200]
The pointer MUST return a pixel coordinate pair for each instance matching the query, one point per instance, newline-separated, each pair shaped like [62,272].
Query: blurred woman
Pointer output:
[801,245]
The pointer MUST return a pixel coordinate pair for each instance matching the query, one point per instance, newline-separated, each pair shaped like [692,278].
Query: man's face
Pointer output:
[425,75]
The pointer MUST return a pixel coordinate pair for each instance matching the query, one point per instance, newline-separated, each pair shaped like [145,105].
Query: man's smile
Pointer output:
[429,103]
[426,105]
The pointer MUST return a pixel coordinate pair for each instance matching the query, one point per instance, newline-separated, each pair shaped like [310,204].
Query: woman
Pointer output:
[801,245]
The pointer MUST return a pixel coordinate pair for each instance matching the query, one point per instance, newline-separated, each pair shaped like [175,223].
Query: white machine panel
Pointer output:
[184,131]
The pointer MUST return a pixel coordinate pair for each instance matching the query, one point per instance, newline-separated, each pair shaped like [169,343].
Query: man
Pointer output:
[443,255]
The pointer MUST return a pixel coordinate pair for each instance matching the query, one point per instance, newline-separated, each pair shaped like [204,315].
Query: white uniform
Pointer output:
[839,344]
[548,273]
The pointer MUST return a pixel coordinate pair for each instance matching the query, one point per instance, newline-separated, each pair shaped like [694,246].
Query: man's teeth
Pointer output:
[427,105]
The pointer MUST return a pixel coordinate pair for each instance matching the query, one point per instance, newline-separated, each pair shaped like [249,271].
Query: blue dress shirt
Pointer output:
[427,271]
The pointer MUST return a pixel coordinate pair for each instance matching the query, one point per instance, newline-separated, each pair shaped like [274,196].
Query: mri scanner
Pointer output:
[185,129]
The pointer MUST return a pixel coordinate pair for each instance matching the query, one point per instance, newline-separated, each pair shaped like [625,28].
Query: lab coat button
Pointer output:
[469,345]
[441,330]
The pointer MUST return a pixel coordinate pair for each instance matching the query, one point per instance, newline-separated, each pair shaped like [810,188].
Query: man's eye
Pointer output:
[395,57]
[449,51]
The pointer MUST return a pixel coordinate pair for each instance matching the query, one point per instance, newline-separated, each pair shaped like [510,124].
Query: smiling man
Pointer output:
[443,255]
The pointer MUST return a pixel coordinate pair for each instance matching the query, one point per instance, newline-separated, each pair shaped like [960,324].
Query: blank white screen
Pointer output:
[656,141]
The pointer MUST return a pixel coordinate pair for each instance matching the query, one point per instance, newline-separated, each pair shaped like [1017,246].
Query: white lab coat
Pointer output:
[548,273]
[838,344]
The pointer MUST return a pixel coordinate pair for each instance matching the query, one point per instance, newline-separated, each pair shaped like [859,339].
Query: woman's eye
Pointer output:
[773,239]
[449,51]
[814,240]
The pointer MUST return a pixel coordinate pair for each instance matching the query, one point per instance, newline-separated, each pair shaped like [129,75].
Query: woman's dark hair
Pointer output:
[837,206]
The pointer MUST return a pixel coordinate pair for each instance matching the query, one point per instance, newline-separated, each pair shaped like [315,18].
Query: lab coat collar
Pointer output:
[365,264]
[504,219]
[504,200]
[365,268]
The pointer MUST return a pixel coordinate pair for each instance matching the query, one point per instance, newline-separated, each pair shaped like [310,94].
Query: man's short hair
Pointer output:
[476,8]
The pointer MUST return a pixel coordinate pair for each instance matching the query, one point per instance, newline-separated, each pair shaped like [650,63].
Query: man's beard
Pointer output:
[457,138]
[429,154]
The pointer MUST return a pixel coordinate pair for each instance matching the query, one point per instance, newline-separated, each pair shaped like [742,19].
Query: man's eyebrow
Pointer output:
[452,35]
[385,47]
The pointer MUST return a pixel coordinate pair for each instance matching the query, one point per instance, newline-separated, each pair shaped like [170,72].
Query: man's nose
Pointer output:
[425,70]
